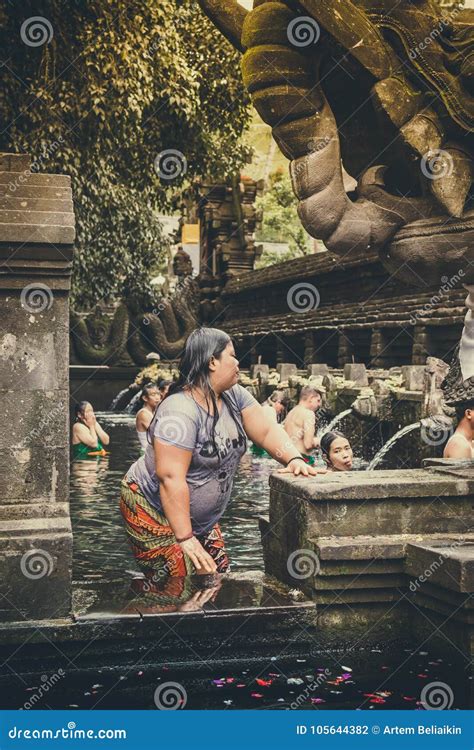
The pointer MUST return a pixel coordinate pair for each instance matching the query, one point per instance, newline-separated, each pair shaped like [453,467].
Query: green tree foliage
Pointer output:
[280,221]
[119,82]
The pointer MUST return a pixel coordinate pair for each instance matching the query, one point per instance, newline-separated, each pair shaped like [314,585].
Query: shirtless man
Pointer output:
[460,444]
[300,423]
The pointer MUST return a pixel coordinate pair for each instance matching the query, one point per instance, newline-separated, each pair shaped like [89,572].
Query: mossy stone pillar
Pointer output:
[36,249]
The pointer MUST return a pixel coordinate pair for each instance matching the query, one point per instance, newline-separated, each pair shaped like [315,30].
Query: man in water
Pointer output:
[460,444]
[300,423]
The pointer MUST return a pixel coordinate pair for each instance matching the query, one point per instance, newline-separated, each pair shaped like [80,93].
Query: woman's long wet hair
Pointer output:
[201,346]
[326,441]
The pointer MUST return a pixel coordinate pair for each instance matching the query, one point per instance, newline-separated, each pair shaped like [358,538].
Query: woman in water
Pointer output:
[88,437]
[151,398]
[337,451]
[174,496]
[274,408]
[275,405]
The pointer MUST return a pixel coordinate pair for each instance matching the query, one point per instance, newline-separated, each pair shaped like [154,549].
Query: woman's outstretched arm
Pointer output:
[273,438]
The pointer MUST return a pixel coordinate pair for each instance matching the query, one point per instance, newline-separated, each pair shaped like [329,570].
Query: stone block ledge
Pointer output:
[377,485]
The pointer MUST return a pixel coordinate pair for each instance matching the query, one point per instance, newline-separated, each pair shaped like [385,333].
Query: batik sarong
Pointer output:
[154,545]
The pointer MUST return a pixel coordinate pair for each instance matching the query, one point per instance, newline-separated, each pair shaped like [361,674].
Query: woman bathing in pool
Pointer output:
[337,451]
[88,437]
[174,496]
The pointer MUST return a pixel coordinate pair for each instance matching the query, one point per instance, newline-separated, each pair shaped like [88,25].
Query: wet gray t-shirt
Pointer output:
[182,422]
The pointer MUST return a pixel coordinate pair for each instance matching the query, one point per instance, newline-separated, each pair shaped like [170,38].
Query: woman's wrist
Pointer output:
[185,538]
[295,458]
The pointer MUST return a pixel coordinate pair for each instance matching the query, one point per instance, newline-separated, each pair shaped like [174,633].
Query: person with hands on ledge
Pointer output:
[88,437]
[173,497]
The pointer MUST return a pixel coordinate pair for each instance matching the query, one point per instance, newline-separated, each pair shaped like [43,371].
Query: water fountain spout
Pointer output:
[332,425]
[390,443]
[133,405]
[123,398]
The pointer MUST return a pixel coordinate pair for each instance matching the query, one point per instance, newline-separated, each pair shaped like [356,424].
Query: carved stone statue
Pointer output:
[131,333]
[182,264]
[383,89]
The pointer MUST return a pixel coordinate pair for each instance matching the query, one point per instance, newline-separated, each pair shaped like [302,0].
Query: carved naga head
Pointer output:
[381,89]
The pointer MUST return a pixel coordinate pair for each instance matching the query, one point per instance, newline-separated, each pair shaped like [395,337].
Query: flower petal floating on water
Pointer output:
[294,681]
[317,700]
[256,695]
[263,683]
[346,669]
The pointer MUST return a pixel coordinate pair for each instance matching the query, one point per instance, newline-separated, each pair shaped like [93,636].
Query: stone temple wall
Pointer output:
[322,309]
[36,249]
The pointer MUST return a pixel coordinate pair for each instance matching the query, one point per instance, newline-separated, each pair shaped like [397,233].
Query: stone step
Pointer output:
[356,596]
[56,234]
[351,582]
[443,608]
[385,546]
[15,203]
[47,192]
[35,178]
[450,566]
[41,218]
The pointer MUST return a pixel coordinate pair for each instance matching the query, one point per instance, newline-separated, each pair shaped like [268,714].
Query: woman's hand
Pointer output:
[90,420]
[299,467]
[201,559]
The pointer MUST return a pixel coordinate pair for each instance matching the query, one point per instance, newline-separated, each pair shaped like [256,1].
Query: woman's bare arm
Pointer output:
[172,466]
[104,437]
[85,435]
